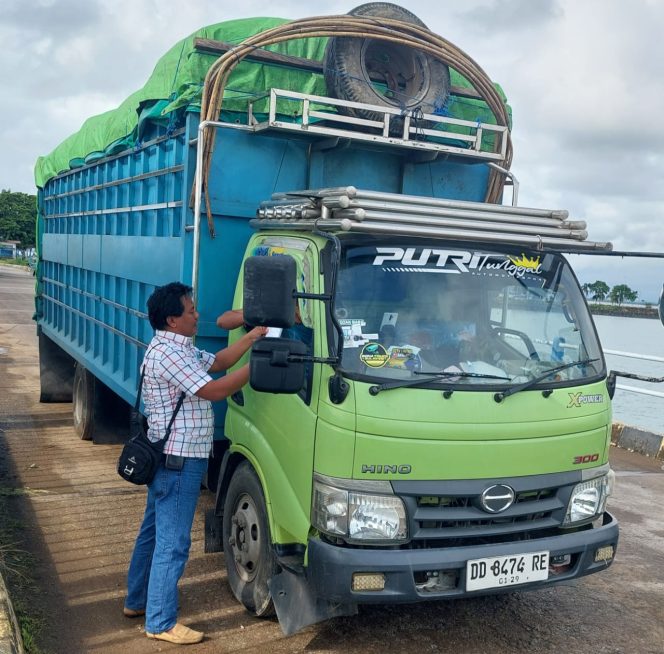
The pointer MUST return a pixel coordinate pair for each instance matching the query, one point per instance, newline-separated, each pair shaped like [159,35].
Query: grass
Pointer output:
[30,626]
[19,261]
[16,565]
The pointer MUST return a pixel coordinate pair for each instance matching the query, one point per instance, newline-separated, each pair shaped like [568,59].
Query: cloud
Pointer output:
[584,80]
[58,19]
[492,17]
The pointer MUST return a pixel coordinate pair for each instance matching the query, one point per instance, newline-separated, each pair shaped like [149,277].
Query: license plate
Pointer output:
[501,571]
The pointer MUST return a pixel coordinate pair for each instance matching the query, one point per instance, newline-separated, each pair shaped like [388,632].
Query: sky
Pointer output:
[584,78]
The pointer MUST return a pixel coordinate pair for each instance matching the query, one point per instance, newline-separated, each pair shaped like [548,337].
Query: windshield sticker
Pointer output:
[374,355]
[454,262]
[267,251]
[353,335]
[405,357]
[282,242]
[579,399]
[526,264]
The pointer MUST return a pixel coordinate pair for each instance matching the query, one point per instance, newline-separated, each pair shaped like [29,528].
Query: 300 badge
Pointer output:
[585,458]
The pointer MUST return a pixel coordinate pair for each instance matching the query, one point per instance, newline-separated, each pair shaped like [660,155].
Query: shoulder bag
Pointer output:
[140,457]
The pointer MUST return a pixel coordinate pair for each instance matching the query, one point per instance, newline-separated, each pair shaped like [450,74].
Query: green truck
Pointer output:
[430,416]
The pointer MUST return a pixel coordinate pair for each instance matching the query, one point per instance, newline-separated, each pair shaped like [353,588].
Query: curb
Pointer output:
[10,633]
[638,440]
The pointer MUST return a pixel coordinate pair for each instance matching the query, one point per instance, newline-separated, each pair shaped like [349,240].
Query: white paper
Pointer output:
[274,332]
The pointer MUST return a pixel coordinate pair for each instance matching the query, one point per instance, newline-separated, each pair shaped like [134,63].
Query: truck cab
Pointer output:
[450,434]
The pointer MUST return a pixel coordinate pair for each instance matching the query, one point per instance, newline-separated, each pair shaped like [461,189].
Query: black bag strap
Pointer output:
[138,394]
[159,445]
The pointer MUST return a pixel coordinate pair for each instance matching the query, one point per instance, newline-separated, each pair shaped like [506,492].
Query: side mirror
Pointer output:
[660,306]
[269,284]
[271,369]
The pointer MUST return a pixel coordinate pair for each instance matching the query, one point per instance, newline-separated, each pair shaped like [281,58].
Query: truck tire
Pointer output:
[83,402]
[410,80]
[250,560]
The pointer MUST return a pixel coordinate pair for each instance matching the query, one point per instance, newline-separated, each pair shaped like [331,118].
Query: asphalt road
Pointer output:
[79,520]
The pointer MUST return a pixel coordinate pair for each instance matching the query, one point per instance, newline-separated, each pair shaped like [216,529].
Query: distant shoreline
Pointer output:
[623,311]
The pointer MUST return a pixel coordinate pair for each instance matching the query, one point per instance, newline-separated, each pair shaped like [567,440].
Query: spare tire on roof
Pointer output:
[384,73]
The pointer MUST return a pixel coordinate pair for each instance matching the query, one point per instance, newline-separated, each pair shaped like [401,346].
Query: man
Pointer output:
[172,365]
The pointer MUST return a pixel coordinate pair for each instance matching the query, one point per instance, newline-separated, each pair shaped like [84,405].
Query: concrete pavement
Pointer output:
[79,519]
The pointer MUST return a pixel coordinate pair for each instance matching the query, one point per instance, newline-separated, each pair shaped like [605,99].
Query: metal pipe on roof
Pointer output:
[260,223]
[356,194]
[458,223]
[533,241]
[336,201]
[471,214]
[459,204]
[349,191]
[291,202]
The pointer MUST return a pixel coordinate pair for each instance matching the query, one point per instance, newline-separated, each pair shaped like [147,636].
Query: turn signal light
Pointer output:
[604,553]
[363,581]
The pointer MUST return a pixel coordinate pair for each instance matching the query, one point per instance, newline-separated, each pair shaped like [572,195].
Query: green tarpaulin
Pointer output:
[175,87]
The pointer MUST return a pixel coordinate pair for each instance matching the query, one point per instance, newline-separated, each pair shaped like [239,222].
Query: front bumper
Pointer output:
[330,568]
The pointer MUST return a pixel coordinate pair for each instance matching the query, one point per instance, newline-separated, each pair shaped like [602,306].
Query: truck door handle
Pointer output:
[238,398]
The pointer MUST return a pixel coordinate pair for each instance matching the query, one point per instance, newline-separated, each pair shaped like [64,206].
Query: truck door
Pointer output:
[278,430]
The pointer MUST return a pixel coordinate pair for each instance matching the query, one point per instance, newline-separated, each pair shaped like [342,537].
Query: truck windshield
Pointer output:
[506,316]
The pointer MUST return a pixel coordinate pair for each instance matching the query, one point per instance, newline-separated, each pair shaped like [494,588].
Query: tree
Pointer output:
[622,293]
[18,217]
[598,289]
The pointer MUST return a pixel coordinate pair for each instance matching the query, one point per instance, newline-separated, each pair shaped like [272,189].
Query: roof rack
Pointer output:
[349,209]
[319,117]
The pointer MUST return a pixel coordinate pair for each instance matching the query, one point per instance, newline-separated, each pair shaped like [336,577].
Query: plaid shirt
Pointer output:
[172,364]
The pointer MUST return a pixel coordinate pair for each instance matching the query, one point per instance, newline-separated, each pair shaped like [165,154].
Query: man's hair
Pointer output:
[166,301]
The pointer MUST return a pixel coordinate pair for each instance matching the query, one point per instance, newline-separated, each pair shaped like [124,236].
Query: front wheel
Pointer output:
[250,560]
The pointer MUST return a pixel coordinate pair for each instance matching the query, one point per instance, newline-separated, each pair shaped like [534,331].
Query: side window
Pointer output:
[303,330]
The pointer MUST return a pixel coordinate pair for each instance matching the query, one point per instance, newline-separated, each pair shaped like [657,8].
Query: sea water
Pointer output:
[644,336]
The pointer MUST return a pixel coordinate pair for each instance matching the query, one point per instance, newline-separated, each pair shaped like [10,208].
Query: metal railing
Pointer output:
[320,115]
[645,357]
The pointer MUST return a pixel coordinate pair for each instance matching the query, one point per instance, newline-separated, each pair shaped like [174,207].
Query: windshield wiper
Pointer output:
[499,397]
[434,376]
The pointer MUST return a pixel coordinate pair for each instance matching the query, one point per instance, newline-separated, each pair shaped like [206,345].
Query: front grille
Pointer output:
[456,515]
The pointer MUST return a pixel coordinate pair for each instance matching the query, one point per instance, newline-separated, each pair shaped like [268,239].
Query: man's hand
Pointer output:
[230,355]
[256,333]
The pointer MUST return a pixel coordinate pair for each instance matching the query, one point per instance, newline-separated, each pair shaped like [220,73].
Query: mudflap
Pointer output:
[213,542]
[296,604]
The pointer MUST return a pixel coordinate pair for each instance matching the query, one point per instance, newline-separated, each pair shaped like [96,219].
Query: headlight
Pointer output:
[588,498]
[358,516]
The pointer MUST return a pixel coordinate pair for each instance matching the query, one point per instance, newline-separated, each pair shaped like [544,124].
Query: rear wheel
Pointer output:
[250,560]
[83,401]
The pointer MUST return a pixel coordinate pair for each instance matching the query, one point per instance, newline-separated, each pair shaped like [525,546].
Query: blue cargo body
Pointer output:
[112,231]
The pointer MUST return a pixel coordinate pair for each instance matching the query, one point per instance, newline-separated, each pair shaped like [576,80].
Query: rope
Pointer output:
[384,29]
[416,121]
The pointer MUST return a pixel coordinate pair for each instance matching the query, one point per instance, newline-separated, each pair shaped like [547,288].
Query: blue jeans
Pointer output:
[162,546]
